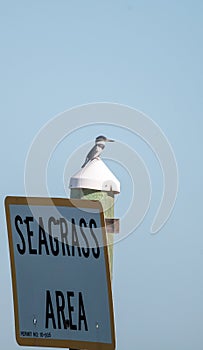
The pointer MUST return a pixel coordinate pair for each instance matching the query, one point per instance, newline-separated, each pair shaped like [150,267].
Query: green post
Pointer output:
[107,201]
[96,182]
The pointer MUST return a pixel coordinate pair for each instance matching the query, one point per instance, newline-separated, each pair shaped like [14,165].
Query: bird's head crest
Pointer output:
[103,138]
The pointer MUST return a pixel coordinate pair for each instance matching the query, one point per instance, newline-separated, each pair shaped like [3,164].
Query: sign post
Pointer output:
[60,273]
[96,182]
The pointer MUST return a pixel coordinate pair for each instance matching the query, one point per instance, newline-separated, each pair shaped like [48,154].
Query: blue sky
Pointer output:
[56,55]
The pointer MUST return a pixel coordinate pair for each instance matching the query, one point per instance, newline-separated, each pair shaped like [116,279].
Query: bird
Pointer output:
[97,149]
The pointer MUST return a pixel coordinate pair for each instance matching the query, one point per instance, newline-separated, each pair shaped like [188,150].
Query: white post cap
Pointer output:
[95,175]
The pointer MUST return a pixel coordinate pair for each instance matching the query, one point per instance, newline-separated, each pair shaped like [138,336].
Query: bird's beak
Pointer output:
[109,140]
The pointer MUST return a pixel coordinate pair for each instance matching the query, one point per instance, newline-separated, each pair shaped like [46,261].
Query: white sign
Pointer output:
[60,273]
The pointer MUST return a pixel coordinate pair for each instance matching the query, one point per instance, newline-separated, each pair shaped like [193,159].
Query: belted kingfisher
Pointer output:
[97,149]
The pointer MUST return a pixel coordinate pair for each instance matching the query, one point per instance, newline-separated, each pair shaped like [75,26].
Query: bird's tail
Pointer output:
[84,164]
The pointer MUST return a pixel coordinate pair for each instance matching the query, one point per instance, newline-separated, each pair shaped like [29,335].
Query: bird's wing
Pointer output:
[94,152]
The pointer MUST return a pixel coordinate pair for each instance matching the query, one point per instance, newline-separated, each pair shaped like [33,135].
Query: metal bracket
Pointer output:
[112,225]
